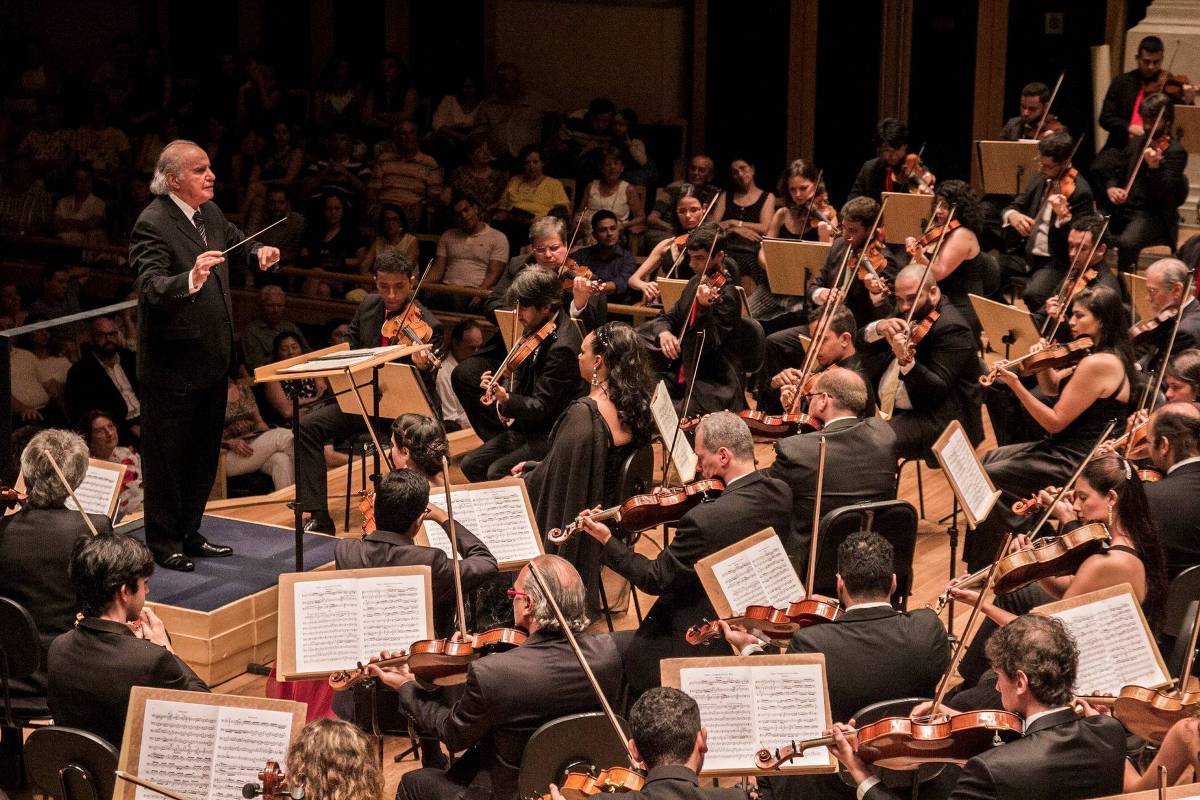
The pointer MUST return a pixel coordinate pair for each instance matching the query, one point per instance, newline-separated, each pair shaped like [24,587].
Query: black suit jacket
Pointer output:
[35,552]
[1150,356]
[364,328]
[185,341]
[1061,756]
[748,505]
[1157,192]
[858,299]
[388,549]
[1029,203]
[507,697]
[860,466]
[872,181]
[89,387]
[93,668]
[1118,108]
[677,782]
[1175,510]
[547,382]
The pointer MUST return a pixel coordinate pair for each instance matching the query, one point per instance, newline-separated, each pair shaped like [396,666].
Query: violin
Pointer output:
[1057,357]
[524,349]
[407,328]
[1028,507]
[931,237]
[1174,85]
[569,270]
[819,210]
[1047,126]
[871,264]
[272,783]
[812,611]
[580,785]
[1148,330]
[902,743]
[916,175]
[444,662]
[918,332]
[777,426]
[776,624]
[645,511]
[345,679]
[10,498]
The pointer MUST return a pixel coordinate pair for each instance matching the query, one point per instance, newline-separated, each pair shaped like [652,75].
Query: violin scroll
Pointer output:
[272,783]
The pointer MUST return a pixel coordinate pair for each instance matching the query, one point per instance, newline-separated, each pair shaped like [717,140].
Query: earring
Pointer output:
[595,376]
[1110,515]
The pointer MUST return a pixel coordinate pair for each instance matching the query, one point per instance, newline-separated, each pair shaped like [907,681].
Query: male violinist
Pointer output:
[785,357]
[924,385]
[509,695]
[1166,280]
[1060,756]
[886,172]
[751,501]
[709,303]
[858,216]
[395,277]
[1120,114]
[1034,99]
[1174,440]
[1083,240]
[537,389]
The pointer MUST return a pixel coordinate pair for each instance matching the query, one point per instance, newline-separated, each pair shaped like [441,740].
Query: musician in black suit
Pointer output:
[185,346]
[36,544]
[907,652]
[1034,99]
[921,391]
[509,695]
[105,378]
[1119,112]
[1166,280]
[882,173]
[858,215]
[1042,212]
[673,338]
[395,278]
[1060,754]
[119,643]
[1147,212]
[785,360]
[401,508]
[860,458]
[541,386]
[751,502]
[1174,440]
[670,742]
[1047,282]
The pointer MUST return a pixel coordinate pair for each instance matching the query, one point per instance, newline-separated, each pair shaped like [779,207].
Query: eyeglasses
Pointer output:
[515,593]
[541,251]
[811,395]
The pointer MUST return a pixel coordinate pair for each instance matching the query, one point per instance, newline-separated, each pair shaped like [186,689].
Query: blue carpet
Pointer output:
[261,553]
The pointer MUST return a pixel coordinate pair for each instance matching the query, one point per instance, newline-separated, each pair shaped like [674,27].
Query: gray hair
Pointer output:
[1171,270]
[271,290]
[65,447]
[565,585]
[846,387]
[169,163]
[546,227]
[728,430]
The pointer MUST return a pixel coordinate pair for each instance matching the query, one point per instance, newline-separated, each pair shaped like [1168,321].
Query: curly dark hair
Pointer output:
[1044,650]
[630,381]
[1111,472]
[962,198]
[425,440]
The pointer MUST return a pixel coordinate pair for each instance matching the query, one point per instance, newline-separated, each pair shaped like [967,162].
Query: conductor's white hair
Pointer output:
[169,163]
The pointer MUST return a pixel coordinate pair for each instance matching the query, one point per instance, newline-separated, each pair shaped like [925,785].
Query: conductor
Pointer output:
[185,347]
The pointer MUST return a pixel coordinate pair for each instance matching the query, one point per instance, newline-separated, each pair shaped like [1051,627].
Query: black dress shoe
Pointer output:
[208,550]
[176,561]
[317,525]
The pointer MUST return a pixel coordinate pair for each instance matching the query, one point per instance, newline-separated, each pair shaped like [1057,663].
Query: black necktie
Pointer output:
[199,220]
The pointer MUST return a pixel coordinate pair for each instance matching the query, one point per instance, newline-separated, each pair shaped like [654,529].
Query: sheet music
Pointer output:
[344,621]
[1115,649]
[207,752]
[965,471]
[100,484]
[340,361]
[369,352]
[498,517]
[748,708]
[662,409]
[761,575]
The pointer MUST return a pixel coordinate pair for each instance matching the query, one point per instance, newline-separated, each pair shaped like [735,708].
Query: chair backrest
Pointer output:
[894,520]
[572,743]
[637,473]
[70,764]
[749,344]
[20,649]
[1182,597]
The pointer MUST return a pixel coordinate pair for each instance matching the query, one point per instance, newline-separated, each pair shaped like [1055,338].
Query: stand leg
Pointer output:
[952,530]
[298,514]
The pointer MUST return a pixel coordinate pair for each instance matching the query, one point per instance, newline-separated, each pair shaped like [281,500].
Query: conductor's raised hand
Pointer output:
[267,257]
[205,262]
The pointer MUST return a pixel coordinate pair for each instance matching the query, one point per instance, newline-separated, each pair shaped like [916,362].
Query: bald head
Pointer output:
[846,390]
[183,170]
[1174,434]
[908,281]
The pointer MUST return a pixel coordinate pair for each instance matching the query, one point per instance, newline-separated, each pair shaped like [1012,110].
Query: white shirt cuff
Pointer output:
[865,787]
[907,368]
[192,287]
[1004,217]
[753,648]
[573,311]
[871,332]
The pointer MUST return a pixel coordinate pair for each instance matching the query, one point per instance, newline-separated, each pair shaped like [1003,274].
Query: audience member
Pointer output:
[610,263]
[340,97]
[60,297]
[610,192]
[26,207]
[279,165]
[478,177]
[310,391]
[100,432]
[465,340]
[249,444]
[329,246]
[454,117]
[12,314]
[391,100]
[406,177]
[472,253]
[260,334]
[79,216]
[660,223]
[342,169]
[390,234]
[640,170]
[512,117]
[529,196]
[38,372]
[49,143]
[105,378]
[288,237]
[102,145]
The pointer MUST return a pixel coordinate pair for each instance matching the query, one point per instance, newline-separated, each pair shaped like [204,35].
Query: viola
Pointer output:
[916,175]
[903,743]
[775,623]
[1148,330]
[813,611]
[645,511]
[1057,357]
[871,266]
[444,662]
[524,349]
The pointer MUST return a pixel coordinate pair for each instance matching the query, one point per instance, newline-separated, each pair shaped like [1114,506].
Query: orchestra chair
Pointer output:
[20,655]
[575,743]
[748,343]
[637,477]
[900,781]
[894,520]
[1183,598]
[70,764]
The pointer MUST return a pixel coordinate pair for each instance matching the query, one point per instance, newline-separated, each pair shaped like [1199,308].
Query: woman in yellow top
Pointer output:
[532,194]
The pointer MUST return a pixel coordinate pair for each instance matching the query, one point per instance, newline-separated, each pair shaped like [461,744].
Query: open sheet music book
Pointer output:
[753,572]
[498,513]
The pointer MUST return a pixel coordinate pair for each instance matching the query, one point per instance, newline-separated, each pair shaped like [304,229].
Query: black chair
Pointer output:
[20,657]
[70,764]
[894,520]
[748,343]
[897,780]
[575,743]
[637,477]
[1183,599]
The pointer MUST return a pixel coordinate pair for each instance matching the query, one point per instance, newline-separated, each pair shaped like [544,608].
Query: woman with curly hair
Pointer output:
[419,444]
[332,759]
[960,264]
[591,441]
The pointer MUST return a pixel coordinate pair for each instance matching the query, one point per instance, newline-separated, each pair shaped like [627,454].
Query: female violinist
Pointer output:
[858,217]
[805,212]
[591,441]
[689,212]
[960,263]
[1079,404]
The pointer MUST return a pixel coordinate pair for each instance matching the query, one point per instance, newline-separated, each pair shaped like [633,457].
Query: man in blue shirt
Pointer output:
[609,262]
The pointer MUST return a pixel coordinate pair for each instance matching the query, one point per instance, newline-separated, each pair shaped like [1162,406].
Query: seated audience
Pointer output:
[612,193]
[404,176]
[453,121]
[288,236]
[38,374]
[611,264]
[478,177]
[310,391]
[748,213]
[472,253]
[391,98]
[79,217]
[12,312]
[330,246]
[529,196]
[100,432]
[640,170]
[26,206]
[59,297]
[340,95]
[105,377]
[512,116]
[259,335]
[249,444]
[390,234]
[465,340]
[278,165]
[701,170]
[342,170]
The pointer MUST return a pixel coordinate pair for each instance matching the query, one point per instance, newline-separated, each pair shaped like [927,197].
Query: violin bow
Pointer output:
[816,521]
[870,238]
[1066,292]
[683,250]
[841,287]
[701,336]
[151,785]
[929,264]
[1046,112]
[1166,359]
[535,573]
[70,491]
[417,288]
[1141,159]
[458,590]
[812,201]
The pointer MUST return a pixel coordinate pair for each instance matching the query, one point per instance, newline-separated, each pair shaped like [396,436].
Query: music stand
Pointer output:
[1135,287]
[905,215]
[1187,119]
[1004,325]
[792,263]
[670,290]
[1004,167]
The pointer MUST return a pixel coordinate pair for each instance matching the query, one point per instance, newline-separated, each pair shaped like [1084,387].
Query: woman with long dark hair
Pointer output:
[592,440]
[959,266]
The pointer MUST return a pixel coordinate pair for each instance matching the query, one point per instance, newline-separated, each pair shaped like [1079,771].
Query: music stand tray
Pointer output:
[905,215]
[1010,331]
[1004,167]
[792,263]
